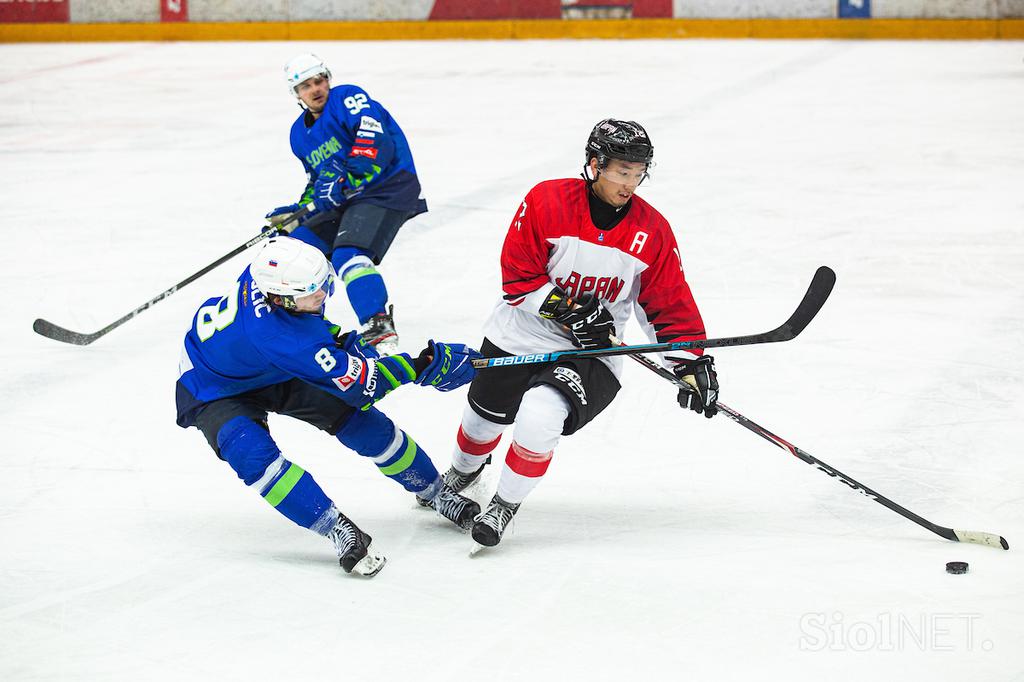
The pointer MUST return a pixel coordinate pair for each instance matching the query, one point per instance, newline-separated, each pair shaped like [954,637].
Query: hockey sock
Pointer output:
[373,435]
[470,455]
[252,453]
[365,287]
[522,472]
[539,424]
[476,439]
[290,489]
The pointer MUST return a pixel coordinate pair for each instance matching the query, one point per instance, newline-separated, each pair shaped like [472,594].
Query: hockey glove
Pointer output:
[329,188]
[352,343]
[359,171]
[280,219]
[701,375]
[588,321]
[445,366]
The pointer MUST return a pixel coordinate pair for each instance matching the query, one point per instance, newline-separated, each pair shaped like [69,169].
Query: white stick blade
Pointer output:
[979,538]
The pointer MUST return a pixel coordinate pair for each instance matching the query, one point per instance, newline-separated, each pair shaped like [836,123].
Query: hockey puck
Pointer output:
[956,567]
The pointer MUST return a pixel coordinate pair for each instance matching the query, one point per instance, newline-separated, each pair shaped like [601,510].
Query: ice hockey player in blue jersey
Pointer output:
[361,185]
[265,347]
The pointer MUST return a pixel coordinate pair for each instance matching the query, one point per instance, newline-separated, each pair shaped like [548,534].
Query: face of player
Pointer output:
[312,303]
[313,93]
[616,182]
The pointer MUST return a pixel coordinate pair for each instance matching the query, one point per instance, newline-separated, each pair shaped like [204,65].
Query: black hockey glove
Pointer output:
[589,322]
[699,373]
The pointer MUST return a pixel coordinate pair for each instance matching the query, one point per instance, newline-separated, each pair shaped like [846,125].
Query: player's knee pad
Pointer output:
[478,429]
[247,447]
[541,418]
[369,433]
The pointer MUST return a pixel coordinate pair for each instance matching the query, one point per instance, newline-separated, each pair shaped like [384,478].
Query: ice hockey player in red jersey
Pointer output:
[580,256]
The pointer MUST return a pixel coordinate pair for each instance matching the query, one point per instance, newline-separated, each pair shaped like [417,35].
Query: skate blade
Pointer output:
[371,564]
[476,549]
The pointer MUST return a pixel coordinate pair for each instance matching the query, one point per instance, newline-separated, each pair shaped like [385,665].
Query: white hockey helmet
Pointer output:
[303,67]
[290,268]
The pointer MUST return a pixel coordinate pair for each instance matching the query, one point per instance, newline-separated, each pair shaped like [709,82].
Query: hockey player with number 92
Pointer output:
[580,256]
[361,187]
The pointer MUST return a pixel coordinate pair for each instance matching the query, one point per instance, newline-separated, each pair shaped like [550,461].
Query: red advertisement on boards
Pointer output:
[173,10]
[34,12]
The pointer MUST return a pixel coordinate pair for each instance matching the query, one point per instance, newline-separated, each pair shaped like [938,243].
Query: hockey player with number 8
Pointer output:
[579,258]
[266,347]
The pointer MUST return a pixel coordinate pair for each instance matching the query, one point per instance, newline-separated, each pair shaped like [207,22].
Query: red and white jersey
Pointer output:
[635,267]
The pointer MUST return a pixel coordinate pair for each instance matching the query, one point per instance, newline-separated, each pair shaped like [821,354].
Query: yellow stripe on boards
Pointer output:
[867,29]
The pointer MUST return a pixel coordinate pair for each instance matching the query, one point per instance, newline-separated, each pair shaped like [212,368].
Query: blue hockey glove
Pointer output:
[329,188]
[445,366]
[352,343]
[701,375]
[359,171]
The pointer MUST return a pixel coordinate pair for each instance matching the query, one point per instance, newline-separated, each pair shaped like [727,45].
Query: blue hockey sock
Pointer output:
[364,285]
[372,435]
[294,493]
[255,457]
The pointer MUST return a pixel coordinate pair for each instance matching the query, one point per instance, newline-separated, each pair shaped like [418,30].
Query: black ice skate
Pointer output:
[356,553]
[458,481]
[490,526]
[379,332]
[458,509]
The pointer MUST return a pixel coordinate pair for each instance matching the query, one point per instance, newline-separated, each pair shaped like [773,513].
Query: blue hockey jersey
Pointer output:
[238,343]
[353,125]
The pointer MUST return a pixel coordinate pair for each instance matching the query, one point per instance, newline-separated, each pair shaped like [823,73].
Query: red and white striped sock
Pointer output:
[522,472]
[469,454]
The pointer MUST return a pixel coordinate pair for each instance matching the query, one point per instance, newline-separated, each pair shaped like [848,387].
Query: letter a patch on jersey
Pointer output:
[354,373]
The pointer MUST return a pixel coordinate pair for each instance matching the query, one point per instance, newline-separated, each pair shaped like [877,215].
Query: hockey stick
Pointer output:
[976,537]
[817,293]
[58,333]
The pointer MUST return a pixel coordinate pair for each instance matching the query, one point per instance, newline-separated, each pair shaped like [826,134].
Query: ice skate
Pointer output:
[489,526]
[456,508]
[356,552]
[458,481]
[379,332]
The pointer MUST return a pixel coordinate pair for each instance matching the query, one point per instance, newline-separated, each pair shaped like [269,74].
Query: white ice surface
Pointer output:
[660,545]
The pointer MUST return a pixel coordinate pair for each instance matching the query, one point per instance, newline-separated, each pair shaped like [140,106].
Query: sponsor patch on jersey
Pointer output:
[370,152]
[371,124]
[355,369]
[371,378]
[573,380]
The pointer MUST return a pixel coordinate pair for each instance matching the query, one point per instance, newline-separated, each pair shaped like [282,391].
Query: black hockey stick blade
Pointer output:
[817,293]
[57,333]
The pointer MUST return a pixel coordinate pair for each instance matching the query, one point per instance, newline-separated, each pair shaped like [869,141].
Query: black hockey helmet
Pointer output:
[615,139]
